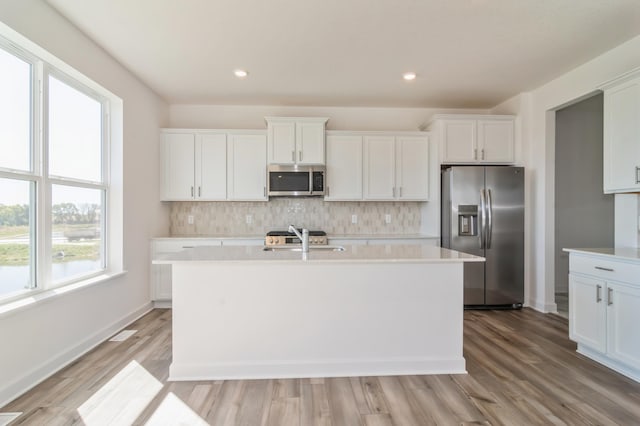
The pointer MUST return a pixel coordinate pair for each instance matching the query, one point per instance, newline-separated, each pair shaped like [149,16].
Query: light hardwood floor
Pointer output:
[522,370]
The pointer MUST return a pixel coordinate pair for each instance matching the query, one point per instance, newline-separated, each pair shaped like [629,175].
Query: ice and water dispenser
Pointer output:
[467,220]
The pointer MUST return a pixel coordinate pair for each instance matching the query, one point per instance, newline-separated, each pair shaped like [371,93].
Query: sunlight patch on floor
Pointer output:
[6,418]
[122,399]
[172,411]
[123,335]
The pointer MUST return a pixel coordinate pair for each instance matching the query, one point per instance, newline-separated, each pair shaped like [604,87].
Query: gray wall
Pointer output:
[584,216]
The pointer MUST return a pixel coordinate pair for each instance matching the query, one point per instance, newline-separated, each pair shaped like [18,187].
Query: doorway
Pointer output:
[584,215]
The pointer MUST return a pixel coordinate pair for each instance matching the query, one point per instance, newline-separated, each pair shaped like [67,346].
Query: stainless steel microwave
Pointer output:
[295,181]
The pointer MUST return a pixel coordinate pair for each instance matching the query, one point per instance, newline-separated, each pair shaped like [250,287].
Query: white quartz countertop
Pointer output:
[620,253]
[407,253]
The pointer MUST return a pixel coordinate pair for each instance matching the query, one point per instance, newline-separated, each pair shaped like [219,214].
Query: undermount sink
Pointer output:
[298,248]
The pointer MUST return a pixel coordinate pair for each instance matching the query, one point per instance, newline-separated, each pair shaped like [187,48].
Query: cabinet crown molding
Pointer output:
[437,117]
[622,78]
[299,119]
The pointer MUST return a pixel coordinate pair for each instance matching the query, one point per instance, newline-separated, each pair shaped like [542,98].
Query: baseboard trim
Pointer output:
[543,307]
[288,370]
[617,366]
[38,374]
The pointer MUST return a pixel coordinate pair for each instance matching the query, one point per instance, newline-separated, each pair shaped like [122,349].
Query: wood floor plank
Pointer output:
[402,408]
[342,402]
[523,370]
[314,404]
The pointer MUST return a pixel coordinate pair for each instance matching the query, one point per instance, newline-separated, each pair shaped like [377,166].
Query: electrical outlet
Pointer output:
[190,219]
[249,219]
[387,218]
[354,218]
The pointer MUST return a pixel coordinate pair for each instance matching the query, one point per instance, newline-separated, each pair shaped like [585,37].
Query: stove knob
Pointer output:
[269,240]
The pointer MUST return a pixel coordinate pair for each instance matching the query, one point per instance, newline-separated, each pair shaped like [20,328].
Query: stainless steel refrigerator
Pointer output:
[483,214]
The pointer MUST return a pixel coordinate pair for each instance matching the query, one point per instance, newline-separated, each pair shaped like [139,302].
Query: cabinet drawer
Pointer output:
[604,268]
[174,246]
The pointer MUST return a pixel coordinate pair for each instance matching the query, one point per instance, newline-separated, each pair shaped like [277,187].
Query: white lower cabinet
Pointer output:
[604,311]
[372,241]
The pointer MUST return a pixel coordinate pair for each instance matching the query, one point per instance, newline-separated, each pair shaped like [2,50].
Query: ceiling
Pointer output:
[466,53]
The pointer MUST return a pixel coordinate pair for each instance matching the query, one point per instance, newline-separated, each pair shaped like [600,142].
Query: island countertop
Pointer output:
[401,253]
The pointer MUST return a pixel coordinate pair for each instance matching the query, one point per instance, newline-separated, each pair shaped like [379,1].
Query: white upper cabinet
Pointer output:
[247,167]
[344,168]
[296,140]
[496,141]
[178,166]
[194,166]
[396,168]
[622,134]
[475,139]
[213,165]
[379,167]
[412,170]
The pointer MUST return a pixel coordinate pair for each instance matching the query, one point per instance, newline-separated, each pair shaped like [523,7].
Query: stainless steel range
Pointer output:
[282,238]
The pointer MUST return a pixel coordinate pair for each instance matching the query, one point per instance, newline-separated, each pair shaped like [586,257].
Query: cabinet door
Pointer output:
[412,176]
[282,142]
[587,312]
[459,141]
[495,141]
[622,138]
[178,167]
[247,167]
[211,167]
[161,282]
[379,168]
[344,168]
[310,143]
[623,317]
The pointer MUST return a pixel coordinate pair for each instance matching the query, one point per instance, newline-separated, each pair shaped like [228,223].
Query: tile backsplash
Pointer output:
[231,218]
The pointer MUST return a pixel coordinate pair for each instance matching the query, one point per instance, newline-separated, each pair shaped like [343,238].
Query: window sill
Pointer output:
[34,299]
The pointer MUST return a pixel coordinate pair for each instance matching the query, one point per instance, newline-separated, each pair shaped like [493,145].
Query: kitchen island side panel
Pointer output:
[250,320]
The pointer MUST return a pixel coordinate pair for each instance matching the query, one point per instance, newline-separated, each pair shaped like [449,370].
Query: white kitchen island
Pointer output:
[243,313]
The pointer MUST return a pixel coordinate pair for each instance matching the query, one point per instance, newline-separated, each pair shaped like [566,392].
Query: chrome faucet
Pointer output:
[304,237]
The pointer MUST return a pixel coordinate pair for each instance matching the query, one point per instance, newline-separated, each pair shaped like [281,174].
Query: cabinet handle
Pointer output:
[475,154]
[192,191]
[637,174]
[264,191]
[299,155]
[393,192]
[598,294]
[199,191]
[328,190]
[186,247]
[400,195]
[603,268]
[293,156]
[482,152]
[609,296]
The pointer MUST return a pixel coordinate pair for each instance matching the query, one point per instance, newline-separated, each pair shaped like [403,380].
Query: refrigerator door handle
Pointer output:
[483,218]
[489,219]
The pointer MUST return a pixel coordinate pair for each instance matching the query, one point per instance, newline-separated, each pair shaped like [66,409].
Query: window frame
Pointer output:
[43,65]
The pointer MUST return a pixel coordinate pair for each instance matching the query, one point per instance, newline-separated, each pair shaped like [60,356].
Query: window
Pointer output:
[54,176]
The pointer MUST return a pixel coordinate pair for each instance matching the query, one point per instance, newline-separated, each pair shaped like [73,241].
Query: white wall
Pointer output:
[40,339]
[538,143]
[340,118]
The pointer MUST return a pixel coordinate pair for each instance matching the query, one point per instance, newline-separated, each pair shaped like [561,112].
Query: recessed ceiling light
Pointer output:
[409,76]
[241,73]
